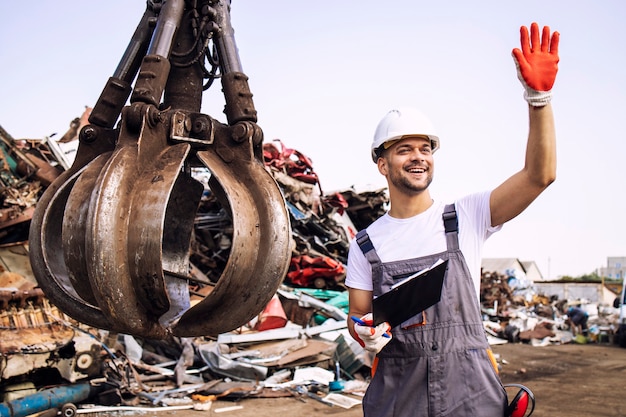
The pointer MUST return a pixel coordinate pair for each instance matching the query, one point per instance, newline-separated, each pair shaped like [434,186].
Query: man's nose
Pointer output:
[416,155]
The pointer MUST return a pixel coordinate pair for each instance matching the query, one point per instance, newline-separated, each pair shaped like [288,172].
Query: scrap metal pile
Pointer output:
[42,347]
[322,225]
[26,167]
[514,311]
[298,346]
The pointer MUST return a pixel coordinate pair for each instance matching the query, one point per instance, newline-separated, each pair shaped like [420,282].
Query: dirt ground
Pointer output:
[567,380]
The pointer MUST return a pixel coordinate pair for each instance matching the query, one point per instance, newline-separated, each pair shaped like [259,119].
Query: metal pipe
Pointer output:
[225,42]
[45,400]
[118,87]
[167,24]
[131,60]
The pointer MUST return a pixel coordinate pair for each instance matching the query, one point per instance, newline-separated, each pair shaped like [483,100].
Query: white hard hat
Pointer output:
[403,122]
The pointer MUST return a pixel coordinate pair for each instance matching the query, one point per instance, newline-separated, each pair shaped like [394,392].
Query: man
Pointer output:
[577,320]
[438,363]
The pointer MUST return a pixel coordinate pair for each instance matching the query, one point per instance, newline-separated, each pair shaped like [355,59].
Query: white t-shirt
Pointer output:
[422,235]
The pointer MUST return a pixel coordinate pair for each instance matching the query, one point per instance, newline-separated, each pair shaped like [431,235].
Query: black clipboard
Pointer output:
[411,297]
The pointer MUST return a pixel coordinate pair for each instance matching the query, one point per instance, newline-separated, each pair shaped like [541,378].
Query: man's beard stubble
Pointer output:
[404,183]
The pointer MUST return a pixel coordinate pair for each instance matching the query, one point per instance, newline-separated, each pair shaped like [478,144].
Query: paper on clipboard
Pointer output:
[417,274]
[410,296]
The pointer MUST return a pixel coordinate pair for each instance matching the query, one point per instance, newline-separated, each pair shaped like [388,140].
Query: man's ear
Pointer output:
[382,166]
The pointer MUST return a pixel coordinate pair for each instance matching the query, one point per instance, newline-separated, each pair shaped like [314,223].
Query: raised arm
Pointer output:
[537,67]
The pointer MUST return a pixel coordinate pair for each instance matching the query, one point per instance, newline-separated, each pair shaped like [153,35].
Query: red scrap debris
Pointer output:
[306,270]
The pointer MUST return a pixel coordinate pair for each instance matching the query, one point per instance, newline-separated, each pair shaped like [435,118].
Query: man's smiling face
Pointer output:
[408,164]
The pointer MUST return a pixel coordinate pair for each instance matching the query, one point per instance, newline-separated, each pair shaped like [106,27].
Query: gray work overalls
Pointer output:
[438,363]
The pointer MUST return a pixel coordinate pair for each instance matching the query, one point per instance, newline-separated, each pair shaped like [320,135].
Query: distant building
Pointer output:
[615,268]
[532,271]
[592,292]
[512,267]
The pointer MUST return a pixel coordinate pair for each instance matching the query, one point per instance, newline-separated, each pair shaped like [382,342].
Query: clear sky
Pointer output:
[324,72]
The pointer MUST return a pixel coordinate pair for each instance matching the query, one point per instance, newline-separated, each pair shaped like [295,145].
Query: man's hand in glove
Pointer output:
[537,63]
[372,338]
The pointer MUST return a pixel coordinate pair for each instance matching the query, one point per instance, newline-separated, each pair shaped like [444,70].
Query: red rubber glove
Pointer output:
[537,63]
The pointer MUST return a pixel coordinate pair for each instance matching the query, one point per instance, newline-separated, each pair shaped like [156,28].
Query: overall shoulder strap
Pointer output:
[367,247]
[451,224]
